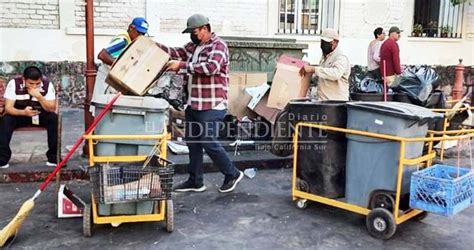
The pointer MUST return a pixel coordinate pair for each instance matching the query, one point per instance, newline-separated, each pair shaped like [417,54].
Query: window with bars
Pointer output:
[307,17]
[438,18]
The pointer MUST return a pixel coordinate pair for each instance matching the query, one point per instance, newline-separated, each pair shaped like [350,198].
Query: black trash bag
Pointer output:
[170,86]
[418,82]
[368,85]
[437,100]
[355,79]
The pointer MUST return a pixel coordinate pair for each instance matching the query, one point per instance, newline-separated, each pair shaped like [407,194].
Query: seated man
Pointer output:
[29,101]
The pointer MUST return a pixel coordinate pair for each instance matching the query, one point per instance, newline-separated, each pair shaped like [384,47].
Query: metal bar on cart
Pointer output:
[387,137]
[125,137]
[333,202]
[127,218]
[399,181]
[402,162]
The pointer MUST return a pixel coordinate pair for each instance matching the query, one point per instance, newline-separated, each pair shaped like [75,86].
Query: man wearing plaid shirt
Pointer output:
[204,62]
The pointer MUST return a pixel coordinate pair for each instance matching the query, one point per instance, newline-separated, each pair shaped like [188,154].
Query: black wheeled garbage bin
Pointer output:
[321,155]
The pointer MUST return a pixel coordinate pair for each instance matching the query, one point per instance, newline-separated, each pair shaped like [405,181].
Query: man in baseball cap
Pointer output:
[390,55]
[118,44]
[138,27]
[195,21]
[204,64]
[333,70]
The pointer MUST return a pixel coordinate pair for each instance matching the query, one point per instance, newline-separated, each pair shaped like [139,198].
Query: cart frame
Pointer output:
[398,217]
[162,211]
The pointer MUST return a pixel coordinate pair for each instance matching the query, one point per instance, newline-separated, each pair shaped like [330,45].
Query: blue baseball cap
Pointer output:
[140,24]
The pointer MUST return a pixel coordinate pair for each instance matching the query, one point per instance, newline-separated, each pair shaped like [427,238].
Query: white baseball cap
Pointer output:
[329,35]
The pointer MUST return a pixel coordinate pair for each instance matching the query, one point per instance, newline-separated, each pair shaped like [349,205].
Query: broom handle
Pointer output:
[76,145]
[384,81]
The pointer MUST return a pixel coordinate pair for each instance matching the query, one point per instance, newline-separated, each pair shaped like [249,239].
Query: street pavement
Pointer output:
[259,214]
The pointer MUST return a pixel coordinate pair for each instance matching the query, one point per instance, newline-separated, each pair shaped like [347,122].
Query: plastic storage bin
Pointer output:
[130,115]
[441,189]
[321,155]
[372,164]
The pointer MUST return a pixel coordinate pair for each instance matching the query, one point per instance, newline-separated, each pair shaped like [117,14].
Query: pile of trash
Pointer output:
[417,85]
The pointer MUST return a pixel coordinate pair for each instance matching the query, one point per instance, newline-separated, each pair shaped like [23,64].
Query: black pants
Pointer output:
[375,74]
[201,131]
[9,123]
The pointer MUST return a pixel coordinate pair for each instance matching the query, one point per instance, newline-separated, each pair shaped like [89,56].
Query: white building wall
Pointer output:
[257,18]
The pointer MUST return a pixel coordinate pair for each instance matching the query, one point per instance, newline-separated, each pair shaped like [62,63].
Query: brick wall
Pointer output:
[112,14]
[40,14]
[228,17]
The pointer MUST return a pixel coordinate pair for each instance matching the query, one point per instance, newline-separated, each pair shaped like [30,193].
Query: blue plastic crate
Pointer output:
[442,189]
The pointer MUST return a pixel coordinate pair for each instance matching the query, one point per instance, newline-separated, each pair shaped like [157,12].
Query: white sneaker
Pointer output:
[5,166]
[50,164]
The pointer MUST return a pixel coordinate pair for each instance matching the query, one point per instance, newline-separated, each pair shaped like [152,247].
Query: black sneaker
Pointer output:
[230,185]
[189,187]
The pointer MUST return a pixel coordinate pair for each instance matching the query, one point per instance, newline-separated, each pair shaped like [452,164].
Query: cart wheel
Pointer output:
[382,200]
[302,203]
[87,221]
[169,216]
[421,216]
[302,185]
[380,224]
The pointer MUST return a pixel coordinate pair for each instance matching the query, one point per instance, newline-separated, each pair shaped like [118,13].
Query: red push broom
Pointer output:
[13,227]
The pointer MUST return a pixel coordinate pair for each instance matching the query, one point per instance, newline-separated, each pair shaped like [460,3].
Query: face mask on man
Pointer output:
[195,39]
[326,47]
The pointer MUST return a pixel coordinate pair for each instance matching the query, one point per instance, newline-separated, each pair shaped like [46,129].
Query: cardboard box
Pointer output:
[256,93]
[266,112]
[238,100]
[69,204]
[137,67]
[287,83]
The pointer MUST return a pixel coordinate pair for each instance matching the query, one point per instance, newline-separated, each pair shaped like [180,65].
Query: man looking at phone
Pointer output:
[29,101]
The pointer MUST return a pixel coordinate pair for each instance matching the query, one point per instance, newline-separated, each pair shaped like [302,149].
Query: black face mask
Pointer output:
[195,39]
[326,47]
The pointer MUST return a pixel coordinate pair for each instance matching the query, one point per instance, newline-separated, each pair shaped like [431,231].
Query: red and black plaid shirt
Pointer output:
[208,76]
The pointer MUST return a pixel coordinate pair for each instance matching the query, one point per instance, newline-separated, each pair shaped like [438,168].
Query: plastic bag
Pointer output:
[418,82]
[368,85]
[169,87]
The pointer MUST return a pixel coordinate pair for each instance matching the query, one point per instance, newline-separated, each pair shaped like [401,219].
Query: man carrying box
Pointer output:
[119,43]
[333,71]
[204,62]
[117,46]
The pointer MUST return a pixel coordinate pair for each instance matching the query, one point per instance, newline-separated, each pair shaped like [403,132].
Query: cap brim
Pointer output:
[326,39]
[187,30]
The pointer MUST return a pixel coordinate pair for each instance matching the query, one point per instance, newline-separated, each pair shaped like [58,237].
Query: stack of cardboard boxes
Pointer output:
[250,95]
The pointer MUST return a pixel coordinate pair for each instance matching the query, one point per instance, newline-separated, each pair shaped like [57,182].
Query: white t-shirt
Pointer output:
[11,95]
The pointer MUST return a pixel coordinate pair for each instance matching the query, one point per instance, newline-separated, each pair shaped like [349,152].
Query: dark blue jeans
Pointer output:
[201,132]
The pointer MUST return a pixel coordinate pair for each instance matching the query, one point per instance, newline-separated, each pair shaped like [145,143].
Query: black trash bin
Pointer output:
[321,154]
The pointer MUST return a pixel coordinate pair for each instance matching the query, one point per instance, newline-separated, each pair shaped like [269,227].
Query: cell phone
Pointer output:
[37,107]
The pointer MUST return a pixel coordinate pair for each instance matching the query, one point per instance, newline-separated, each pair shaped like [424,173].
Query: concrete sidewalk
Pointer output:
[259,214]
[29,148]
